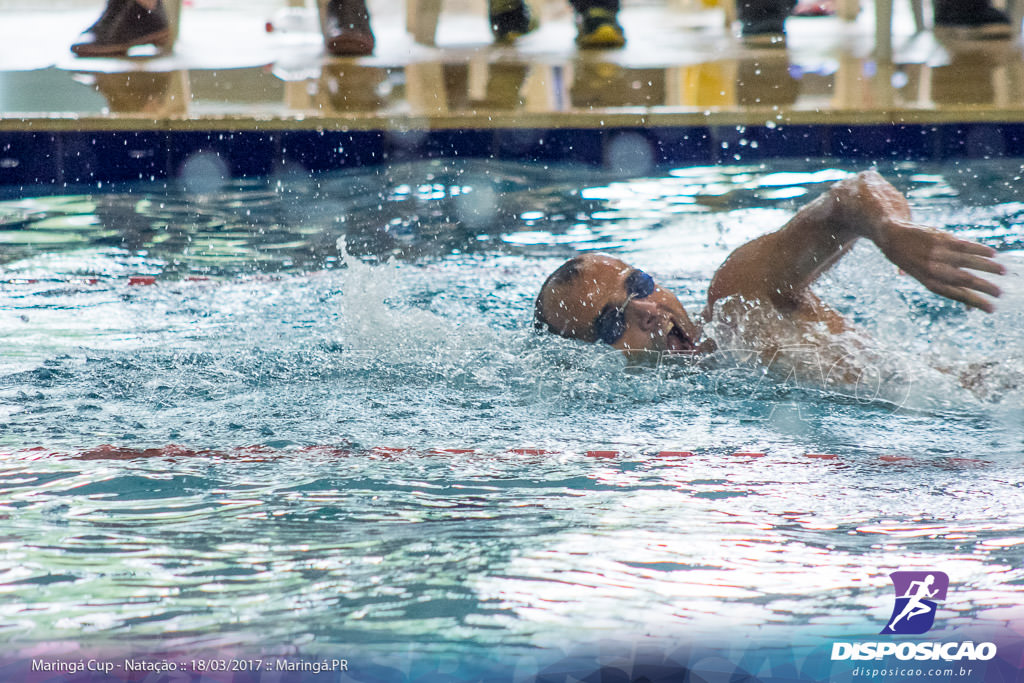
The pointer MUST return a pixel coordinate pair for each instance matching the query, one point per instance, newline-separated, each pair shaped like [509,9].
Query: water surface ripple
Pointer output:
[309,412]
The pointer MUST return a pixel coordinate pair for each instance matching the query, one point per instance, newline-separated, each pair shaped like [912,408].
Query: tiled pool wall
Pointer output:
[56,159]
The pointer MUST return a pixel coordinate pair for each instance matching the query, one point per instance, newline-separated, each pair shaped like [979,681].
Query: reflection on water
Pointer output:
[950,74]
[370,445]
[155,93]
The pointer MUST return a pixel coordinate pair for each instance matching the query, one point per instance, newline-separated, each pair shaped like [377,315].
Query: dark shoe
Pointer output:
[346,27]
[123,25]
[111,12]
[598,28]
[764,33]
[510,21]
[971,20]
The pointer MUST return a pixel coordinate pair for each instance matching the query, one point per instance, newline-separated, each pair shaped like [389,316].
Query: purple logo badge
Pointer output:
[916,594]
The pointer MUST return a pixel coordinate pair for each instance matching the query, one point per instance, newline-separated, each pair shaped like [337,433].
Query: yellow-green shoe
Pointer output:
[598,29]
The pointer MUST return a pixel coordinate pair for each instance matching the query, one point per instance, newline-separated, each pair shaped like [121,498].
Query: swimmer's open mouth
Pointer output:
[678,341]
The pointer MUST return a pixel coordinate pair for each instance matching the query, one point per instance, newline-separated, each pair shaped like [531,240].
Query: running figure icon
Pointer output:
[916,592]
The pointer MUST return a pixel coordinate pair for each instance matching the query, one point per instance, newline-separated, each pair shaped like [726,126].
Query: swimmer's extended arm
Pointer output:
[781,266]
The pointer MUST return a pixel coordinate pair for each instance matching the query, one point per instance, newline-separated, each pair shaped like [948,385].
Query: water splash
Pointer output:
[282,378]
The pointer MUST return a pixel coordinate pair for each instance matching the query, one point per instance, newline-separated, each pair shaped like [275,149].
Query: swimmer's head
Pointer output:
[599,298]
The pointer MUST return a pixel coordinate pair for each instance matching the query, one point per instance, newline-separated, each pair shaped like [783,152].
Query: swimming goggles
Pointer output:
[610,324]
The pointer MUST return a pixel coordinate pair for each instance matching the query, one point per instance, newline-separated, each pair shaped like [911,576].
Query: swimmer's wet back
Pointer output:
[217,426]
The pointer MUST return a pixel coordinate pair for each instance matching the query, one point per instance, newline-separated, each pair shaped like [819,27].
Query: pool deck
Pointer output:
[682,69]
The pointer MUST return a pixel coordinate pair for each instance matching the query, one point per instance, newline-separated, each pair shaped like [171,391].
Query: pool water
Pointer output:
[305,415]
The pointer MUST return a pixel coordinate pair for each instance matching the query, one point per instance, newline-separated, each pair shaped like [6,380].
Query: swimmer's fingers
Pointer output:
[976,259]
[960,278]
[949,268]
[964,295]
[942,263]
[942,271]
[968,247]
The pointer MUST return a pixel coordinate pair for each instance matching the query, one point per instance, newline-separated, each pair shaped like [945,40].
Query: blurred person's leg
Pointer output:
[597,24]
[763,22]
[346,28]
[971,19]
[123,25]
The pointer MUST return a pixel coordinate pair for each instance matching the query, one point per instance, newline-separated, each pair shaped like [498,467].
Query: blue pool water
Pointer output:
[225,409]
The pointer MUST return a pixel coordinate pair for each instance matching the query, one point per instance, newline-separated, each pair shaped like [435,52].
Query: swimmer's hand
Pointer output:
[866,205]
[780,266]
[940,261]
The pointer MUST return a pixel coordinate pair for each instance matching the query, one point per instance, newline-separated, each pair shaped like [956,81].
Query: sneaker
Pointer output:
[346,28]
[510,20]
[764,33]
[971,21]
[123,25]
[598,28]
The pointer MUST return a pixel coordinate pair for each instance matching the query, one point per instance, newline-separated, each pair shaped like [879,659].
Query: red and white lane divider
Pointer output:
[266,453]
[131,280]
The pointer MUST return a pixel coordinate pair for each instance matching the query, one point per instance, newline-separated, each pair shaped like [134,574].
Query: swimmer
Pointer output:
[598,298]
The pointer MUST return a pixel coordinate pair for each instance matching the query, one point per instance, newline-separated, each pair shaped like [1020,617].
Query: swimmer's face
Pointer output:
[598,298]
